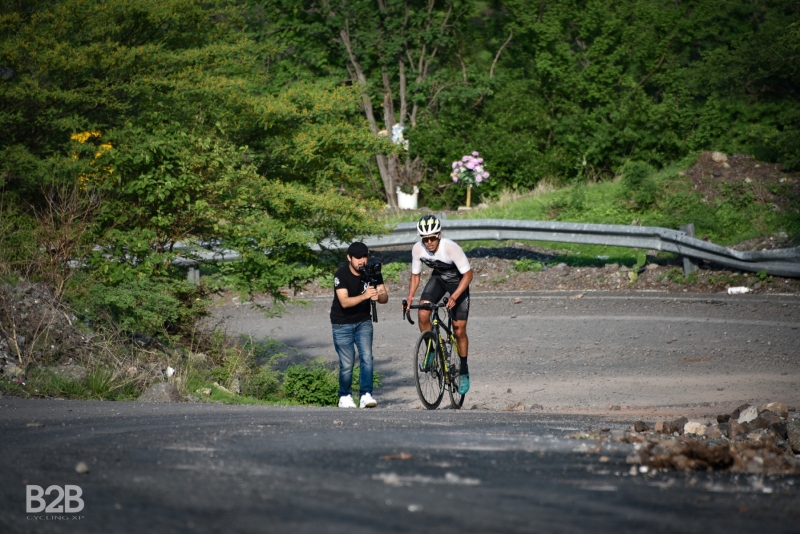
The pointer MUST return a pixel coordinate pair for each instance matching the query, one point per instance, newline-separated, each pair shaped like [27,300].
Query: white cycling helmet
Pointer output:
[429,225]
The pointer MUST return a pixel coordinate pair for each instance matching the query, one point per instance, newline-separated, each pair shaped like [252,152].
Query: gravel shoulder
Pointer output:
[619,354]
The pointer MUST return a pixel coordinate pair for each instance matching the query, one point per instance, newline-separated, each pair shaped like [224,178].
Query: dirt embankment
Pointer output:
[495,269]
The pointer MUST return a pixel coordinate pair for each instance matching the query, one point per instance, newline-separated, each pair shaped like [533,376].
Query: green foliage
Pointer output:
[676,275]
[391,271]
[582,88]
[638,183]
[641,259]
[264,384]
[163,114]
[100,384]
[527,264]
[153,306]
[314,384]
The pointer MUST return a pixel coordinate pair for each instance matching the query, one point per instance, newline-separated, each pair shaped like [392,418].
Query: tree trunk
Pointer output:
[357,74]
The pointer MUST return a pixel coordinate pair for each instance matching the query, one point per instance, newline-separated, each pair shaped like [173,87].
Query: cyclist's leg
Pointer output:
[343,342]
[462,340]
[433,292]
[460,314]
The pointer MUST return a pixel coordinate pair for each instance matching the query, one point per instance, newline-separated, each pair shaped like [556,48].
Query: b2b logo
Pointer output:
[69,494]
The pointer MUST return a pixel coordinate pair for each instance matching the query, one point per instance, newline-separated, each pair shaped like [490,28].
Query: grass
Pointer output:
[662,198]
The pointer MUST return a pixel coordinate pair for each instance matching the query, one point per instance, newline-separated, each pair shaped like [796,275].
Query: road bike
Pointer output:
[436,360]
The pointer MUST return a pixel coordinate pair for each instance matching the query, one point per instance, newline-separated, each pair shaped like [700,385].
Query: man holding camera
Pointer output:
[351,321]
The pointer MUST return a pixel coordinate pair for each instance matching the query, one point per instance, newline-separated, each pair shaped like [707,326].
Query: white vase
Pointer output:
[406,201]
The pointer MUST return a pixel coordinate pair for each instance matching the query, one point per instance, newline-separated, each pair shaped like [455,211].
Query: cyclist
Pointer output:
[451,274]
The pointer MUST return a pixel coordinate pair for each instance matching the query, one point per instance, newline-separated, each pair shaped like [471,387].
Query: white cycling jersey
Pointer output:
[448,262]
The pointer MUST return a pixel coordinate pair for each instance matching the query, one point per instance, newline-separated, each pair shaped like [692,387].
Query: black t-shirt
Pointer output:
[345,279]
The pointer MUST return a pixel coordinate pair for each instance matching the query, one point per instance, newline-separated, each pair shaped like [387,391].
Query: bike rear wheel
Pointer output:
[453,368]
[429,376]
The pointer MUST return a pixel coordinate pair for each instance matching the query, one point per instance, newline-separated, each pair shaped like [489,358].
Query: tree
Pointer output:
[390,50]
[160,113]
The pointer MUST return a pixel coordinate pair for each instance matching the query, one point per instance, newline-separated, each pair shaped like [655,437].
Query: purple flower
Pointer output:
[486,175]
[478,178]
[475,154]
[465,158]
[470,165]
[455,164]
[480,160]
[455,178]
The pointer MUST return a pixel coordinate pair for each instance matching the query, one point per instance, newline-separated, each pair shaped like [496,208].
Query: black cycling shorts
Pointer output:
[436,288]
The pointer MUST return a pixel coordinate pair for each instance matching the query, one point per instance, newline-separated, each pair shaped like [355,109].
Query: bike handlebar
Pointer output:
[424,306]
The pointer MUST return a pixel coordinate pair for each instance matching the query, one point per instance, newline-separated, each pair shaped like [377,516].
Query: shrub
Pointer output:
[638,183]
[391,271]
[314,384]
[526,264]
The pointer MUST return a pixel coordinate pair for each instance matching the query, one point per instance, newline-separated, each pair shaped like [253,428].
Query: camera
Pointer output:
[372,269]
[370,273]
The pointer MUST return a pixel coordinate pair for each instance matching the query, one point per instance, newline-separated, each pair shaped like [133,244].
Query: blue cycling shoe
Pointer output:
[463,384]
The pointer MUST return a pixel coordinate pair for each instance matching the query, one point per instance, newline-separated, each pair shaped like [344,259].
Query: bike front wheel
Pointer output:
[428,371]
[453,369]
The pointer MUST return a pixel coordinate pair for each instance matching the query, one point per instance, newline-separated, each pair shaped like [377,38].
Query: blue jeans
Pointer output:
[346,337]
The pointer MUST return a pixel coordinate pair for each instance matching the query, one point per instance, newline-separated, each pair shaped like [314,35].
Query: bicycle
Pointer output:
[433,375]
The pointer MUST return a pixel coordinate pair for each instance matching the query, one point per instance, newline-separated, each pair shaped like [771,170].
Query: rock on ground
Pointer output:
[161,392]
[77,373]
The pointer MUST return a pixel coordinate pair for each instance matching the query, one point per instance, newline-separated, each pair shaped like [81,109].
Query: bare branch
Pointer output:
[497,56]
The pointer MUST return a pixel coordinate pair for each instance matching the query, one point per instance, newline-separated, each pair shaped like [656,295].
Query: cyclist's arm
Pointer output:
[466,278]
[413,285]
[349,302]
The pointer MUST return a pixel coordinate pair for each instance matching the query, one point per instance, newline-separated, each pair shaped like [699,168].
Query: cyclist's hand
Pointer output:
[407,306]
[451,303]
[370,293]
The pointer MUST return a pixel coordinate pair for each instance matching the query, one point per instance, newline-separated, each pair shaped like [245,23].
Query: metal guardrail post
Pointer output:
[193,275]
[689,265]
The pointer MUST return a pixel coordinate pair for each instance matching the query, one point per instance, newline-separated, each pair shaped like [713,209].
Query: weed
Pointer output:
[641,259]
[526,265]
[761,275]
[391,271]
[314,384]
[674,275]
[326,280]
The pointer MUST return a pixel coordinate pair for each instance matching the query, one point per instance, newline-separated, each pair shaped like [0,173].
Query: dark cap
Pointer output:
[357,250]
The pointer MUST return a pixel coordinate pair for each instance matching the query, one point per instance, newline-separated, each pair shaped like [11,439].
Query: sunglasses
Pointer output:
[430,239]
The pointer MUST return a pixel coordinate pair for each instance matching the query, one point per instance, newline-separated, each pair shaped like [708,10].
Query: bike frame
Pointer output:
[436,325]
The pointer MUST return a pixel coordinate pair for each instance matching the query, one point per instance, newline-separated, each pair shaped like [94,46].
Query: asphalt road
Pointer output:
[641,352]
[212,468]
[194,467]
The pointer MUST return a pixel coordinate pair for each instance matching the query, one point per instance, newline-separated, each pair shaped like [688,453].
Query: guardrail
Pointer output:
[777,262]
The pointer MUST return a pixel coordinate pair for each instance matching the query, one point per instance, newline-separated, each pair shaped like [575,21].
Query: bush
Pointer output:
[314,384]
[526,264]
[638,183]
[263,385]
[151,306]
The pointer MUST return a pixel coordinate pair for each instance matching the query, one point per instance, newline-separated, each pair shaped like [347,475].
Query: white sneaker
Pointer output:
[347,402]
[367,401]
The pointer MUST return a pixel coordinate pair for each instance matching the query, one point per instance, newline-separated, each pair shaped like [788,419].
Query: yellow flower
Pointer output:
[83,137]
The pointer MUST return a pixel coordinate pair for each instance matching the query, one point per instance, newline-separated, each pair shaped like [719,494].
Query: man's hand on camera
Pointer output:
[370,293]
